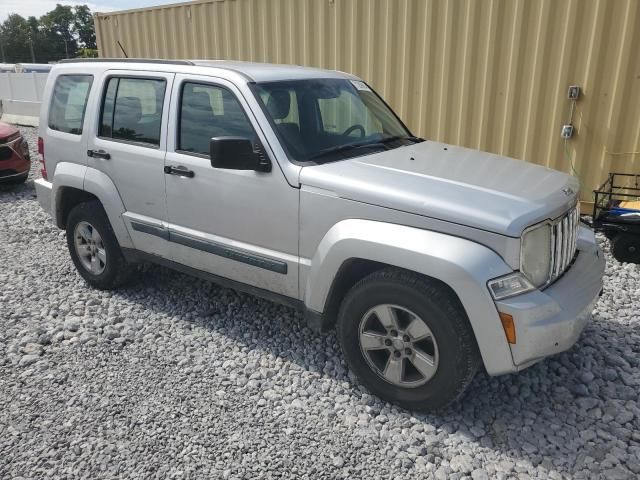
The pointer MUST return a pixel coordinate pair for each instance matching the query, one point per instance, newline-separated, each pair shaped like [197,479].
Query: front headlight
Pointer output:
[25,150]
[509,286]
[535,254]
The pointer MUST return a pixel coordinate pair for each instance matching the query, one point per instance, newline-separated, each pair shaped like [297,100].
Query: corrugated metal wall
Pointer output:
[490,74]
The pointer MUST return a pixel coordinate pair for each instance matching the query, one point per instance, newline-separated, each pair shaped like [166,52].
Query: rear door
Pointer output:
[129,146]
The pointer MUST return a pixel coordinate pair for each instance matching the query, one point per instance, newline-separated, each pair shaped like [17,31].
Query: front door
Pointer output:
[129,147]
[237,224]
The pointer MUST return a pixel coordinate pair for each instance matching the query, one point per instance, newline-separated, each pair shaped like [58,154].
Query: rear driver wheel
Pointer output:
[94,248]
[407,339]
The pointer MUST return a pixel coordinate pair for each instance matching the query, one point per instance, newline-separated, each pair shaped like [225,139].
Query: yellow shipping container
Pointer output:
[486,74]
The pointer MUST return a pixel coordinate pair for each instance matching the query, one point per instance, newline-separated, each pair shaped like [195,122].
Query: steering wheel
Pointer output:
[352,128]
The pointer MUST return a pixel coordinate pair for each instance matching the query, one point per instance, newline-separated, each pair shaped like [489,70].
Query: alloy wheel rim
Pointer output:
[398,345]
[90,248]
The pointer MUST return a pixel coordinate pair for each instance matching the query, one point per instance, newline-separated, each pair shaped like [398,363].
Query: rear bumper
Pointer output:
[43,191]
[550,321]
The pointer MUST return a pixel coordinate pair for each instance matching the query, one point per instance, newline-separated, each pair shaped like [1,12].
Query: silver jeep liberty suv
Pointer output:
[301,185]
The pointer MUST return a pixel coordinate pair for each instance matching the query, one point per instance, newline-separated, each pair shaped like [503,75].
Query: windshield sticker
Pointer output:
[360,85]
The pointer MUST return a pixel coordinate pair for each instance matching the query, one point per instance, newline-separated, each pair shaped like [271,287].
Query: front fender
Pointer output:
[463,265]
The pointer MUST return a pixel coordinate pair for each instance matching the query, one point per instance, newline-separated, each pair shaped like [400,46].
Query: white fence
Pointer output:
[21,96]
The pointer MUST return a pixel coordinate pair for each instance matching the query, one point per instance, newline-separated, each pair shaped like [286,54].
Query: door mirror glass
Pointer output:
[237,153]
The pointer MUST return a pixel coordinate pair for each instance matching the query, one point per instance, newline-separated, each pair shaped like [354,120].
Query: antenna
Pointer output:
[122,48]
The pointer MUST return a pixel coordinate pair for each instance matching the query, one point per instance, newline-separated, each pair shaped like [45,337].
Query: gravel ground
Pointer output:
[174,377]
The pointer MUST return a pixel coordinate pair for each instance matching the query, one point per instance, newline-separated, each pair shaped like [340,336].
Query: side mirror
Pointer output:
[237,153]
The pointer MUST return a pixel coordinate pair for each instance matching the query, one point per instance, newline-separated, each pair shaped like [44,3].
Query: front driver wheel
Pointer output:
[408,339]
[94,248]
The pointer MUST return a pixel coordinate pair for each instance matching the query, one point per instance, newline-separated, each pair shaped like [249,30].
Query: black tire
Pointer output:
[117,271]
[440,309]
[626,248]
[19,180]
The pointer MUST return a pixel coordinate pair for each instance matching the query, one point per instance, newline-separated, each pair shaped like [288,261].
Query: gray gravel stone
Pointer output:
[587,402]
[27,360]
[32,349]
[479,474]
[618,473]
[173,377]
[462,463]
[72,324]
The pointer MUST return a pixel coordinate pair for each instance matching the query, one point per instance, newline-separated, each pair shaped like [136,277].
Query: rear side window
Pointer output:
[208,111]
[132,109]
[69,102]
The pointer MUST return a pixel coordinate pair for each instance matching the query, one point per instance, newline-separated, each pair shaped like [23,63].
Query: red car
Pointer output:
[14,155]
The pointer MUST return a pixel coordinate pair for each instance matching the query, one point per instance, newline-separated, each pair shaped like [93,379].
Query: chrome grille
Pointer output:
[564,236]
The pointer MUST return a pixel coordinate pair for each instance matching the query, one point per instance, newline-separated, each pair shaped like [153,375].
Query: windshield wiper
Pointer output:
[354,146]
[344,148]
[401,137]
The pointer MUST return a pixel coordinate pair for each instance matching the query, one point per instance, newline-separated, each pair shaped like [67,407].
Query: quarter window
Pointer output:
[208,111]
[69,102]
[132,110]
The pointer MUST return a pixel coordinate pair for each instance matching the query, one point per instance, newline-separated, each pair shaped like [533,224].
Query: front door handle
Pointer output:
[98,154]
[178,170]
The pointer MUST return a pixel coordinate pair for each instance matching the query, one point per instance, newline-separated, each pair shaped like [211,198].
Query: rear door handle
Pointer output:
[178,170]
[98,154]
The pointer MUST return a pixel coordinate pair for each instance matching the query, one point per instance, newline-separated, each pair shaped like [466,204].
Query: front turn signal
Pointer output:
[509,327]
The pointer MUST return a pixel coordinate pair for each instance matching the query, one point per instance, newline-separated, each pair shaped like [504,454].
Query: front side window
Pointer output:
[132,110]
[321,120]
[69,102]
[208,111]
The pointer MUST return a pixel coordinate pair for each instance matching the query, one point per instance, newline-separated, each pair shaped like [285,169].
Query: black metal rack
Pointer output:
[619,224]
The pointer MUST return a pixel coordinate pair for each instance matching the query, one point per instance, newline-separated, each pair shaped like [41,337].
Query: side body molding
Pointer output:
[464,265]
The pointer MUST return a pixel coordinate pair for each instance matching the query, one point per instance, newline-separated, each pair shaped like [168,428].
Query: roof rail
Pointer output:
[126,60]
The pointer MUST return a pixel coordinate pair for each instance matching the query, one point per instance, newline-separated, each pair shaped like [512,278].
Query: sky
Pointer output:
[37,8]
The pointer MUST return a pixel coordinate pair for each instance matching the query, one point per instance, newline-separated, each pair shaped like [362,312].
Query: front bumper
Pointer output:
[550,321]
[14,159]
[43,191]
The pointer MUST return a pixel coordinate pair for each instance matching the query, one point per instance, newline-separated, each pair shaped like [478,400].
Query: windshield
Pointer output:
[322,120]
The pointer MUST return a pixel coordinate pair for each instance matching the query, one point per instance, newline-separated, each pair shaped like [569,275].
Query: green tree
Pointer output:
[63,32]
[58,26]
[46,46]
[15,33]
[84,28]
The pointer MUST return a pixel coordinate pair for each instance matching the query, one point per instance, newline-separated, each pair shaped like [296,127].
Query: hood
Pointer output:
[450,183]
[7,130]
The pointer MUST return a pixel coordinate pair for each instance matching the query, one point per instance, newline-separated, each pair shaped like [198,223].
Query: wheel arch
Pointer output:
[74,184]
[350,273]
[67,182]
[66,199]
[354,248]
